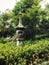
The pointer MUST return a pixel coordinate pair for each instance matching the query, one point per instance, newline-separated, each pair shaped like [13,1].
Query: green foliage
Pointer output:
[34,19]
[11,54]
[7,24]
[32,16]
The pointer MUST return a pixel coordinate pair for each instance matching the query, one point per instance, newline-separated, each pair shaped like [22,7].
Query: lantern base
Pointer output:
[19,42]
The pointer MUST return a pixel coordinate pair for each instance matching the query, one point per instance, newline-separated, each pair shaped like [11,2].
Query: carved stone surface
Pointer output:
[20,31]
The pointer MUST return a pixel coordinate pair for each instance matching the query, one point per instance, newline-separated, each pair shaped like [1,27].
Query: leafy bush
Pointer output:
[24,55]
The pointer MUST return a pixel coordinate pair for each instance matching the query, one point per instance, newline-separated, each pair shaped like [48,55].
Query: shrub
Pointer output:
[24,55]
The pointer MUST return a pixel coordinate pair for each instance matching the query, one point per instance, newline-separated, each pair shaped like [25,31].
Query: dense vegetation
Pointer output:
[34,18]
[36,45]
[34,52]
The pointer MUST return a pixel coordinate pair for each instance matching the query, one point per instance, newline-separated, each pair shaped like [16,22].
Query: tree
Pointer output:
[30,15]
[6,24]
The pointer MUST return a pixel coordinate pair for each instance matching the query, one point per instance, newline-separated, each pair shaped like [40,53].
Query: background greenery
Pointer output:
[34,18]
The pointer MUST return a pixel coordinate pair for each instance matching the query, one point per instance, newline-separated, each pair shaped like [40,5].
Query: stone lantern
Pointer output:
[20,31]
